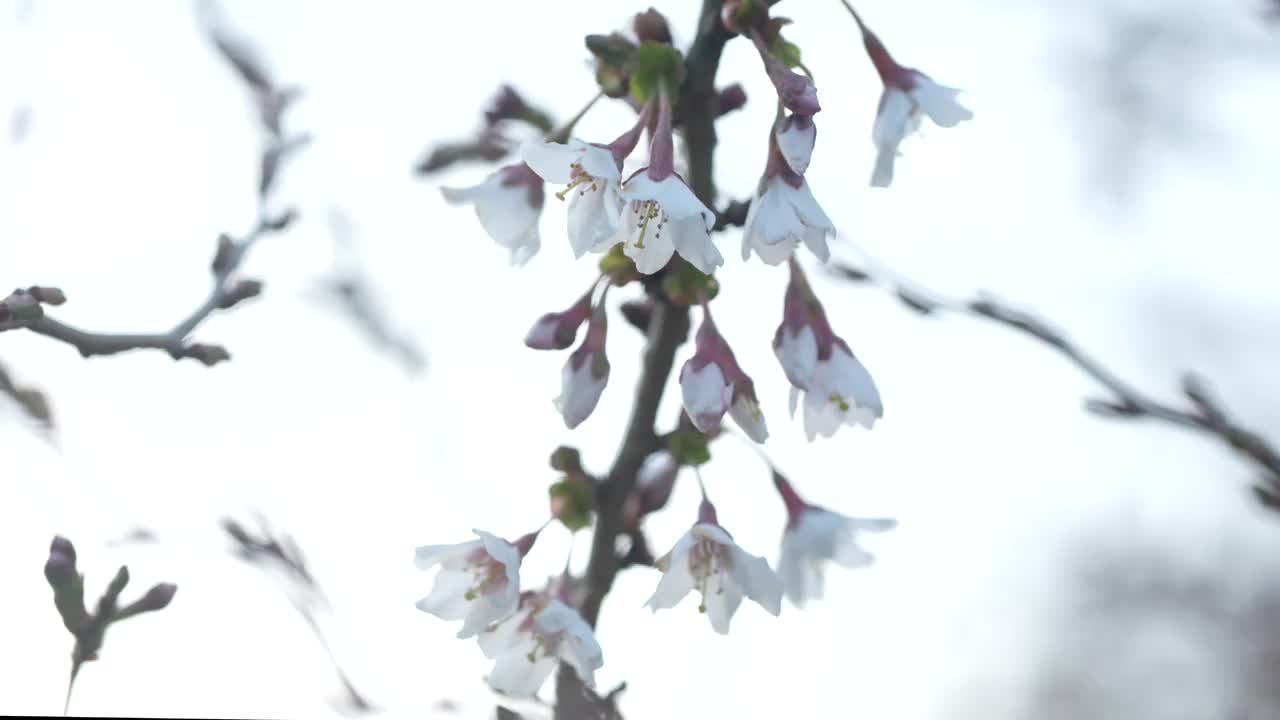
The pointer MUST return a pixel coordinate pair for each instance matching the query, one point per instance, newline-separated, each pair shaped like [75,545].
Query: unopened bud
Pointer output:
[47,295]
[118,583]
[224,257]
[158,597]
[241,291]
[730,98]
[651,26]
[209,355]
[60,568]
[742,15]
[566,460]
[638,313]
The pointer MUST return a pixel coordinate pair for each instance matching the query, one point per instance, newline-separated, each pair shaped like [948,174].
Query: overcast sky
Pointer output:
[142,147]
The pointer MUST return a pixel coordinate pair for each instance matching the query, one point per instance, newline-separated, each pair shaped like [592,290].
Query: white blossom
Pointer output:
[661,218]
[707,559]
[591,175]
[508,203]
[478,581]
[816,536]
[780,217]
[527,648]
[902,105]
[840,391]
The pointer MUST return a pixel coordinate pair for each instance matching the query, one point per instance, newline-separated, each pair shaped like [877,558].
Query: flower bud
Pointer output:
[651,26]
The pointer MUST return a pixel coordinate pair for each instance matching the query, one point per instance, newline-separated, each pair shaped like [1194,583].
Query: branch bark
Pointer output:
[24,308]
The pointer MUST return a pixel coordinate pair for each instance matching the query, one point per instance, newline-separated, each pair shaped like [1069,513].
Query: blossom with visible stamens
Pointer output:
[707,559]
[592,173]
[837,388]
[585,373]
[661,216]
[783,213]
[815,536]
[508,203]
[712,384]
[908,95]
[478,582]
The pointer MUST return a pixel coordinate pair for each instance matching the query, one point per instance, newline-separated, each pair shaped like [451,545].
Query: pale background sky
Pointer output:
[143,147]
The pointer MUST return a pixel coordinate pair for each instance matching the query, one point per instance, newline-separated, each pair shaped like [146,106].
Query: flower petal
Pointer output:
[759,581]
[552,161]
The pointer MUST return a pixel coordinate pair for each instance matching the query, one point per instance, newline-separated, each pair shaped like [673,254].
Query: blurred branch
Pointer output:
[353,290]
[488,144]
[33,402]
[1206,414]
[25,308]
[267,551]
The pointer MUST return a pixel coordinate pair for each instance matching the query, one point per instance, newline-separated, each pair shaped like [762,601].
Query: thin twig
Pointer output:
[224,294]
[283,552]
[1206,414]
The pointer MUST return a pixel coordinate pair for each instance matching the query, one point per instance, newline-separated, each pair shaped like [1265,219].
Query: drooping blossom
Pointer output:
[508,203]
[707,559]
[712,384]
[783,214]
[661,216]
[908,96]
[816,536]
[837,388]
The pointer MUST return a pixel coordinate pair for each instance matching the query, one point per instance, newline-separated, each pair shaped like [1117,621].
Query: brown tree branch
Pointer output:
[24,308]
[1206,414]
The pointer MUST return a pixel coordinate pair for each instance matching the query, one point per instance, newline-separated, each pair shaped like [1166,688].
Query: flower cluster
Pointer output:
[651,227]
[525,634]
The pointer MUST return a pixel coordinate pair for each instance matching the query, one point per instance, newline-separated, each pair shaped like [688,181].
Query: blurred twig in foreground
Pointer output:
[279,553]
[26,308]
[1204,414]
[33,402]
[353,290]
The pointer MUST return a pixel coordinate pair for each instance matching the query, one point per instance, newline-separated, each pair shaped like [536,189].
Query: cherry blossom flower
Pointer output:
[661,216]
[478,582]
[908,96]
[592,173]
[527,646]
[585,373]
[783,213]
[837,388]
[707,559]
[508,203]
[712,384]
[815,536]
